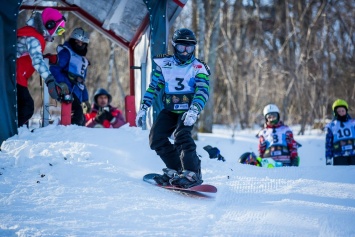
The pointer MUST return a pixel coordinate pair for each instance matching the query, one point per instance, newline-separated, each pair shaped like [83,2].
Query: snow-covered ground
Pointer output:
[77,181]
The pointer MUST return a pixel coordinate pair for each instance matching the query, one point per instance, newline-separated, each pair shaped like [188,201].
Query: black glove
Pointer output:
[213,152]
[52,87]
[220,157]
[103,115]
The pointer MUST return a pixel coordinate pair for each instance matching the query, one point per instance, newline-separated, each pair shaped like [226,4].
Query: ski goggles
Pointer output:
[184,48]
[251,160]
[60,31]
[271,115]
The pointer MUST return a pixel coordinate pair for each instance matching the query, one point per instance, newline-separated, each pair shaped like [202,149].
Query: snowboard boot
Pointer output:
[187,179]
[165,178]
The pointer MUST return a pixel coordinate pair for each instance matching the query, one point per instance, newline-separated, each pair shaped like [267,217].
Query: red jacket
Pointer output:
[24,68]
[117,122]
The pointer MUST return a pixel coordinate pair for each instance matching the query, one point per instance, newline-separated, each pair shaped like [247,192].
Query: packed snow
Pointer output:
[77,181]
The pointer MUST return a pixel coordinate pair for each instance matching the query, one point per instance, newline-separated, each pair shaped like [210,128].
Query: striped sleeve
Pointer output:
[202,91]
[35,51]
[155,86]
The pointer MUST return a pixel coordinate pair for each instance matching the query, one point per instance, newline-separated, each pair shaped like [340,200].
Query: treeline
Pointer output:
[298,54]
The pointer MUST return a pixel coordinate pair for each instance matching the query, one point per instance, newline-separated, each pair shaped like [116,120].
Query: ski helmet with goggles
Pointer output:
[271,109]
[340,103]
[184,40]
[80,34]
[53,21]
[248,158]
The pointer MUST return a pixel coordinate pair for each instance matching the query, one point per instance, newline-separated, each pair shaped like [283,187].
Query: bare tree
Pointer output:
[212,9]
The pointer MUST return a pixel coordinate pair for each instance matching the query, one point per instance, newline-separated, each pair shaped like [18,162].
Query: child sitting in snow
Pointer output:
[102,114]
[276,139]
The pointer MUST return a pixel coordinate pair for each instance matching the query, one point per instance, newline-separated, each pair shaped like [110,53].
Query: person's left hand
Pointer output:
[190,116]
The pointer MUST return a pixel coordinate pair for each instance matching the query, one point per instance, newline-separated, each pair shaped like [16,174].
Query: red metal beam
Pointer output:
[180,4]
[131,72]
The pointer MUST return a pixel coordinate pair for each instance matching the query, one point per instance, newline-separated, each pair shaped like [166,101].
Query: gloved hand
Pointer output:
[64,93]
[328,161]
[190,116]
[142,112]
[295,161]
[213,152]
[52,87]
[62,88]
[103,115]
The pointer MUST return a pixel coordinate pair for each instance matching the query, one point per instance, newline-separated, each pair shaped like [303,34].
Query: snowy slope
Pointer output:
[77,181]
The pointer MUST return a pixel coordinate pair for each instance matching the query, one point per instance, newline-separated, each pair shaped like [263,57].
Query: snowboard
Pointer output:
[202,188]
[270,163]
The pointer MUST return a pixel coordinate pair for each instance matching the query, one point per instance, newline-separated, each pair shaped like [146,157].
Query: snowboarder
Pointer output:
[103,115]
[276,139]
[185,82]
[71,69]
[340,136]
[31,43]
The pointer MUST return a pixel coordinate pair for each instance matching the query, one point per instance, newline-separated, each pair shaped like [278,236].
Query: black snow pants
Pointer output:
[77,112]
[182,154]
[344,160]
[25,105]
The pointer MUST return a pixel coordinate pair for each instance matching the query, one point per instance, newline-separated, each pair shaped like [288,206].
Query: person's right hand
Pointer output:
[52,87]
[141,113]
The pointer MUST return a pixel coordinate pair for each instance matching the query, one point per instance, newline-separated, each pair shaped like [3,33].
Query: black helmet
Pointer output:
[186,38]
[102,91]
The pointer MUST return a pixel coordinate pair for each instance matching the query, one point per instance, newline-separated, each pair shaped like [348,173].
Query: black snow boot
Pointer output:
[165,178]
[187,179]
